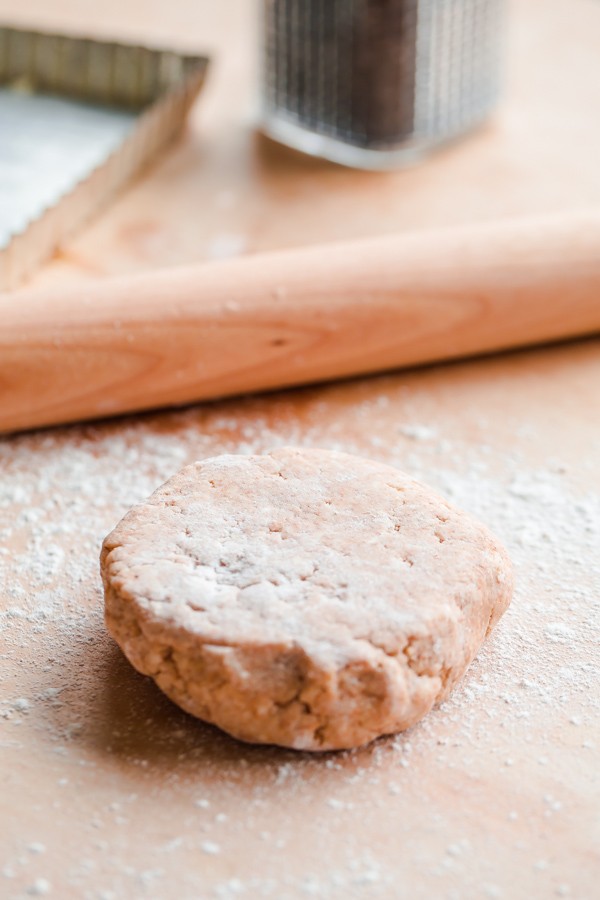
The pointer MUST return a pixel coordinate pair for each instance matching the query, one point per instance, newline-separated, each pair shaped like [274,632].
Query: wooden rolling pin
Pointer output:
[261,322]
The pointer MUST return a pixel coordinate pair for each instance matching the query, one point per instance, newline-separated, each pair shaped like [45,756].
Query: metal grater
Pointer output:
[375,83]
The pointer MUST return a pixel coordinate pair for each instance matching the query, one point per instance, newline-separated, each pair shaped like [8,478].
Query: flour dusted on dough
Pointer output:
[306,598]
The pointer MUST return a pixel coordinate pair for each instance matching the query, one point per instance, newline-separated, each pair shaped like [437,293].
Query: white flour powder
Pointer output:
[113,751]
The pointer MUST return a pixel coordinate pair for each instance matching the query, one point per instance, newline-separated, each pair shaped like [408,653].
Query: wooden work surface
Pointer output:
[108,791]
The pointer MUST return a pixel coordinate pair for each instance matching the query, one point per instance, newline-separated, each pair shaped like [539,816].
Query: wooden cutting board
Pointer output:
[108,791]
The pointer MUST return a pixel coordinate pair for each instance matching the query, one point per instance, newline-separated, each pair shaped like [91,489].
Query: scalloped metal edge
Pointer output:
[159,84]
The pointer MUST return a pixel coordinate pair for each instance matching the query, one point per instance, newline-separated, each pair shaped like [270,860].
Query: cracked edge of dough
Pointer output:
[279,694]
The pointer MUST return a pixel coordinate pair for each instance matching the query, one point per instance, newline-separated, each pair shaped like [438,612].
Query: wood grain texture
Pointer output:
[269,321]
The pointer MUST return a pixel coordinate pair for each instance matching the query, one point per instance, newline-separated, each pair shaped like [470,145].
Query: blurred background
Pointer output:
[226,190]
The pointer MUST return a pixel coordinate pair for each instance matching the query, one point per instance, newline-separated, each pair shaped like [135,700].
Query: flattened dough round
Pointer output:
[305,598]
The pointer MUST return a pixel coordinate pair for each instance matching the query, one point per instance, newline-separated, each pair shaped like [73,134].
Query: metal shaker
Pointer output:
[377,83]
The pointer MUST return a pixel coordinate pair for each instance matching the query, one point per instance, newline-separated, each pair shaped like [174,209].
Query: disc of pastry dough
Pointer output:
[306,598]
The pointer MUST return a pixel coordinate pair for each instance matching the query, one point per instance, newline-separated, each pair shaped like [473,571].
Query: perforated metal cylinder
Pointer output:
[374,83]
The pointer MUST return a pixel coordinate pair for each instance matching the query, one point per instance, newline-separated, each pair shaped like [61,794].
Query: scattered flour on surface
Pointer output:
[533,688]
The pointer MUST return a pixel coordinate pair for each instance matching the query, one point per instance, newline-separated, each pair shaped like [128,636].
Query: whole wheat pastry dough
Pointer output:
[305,598]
